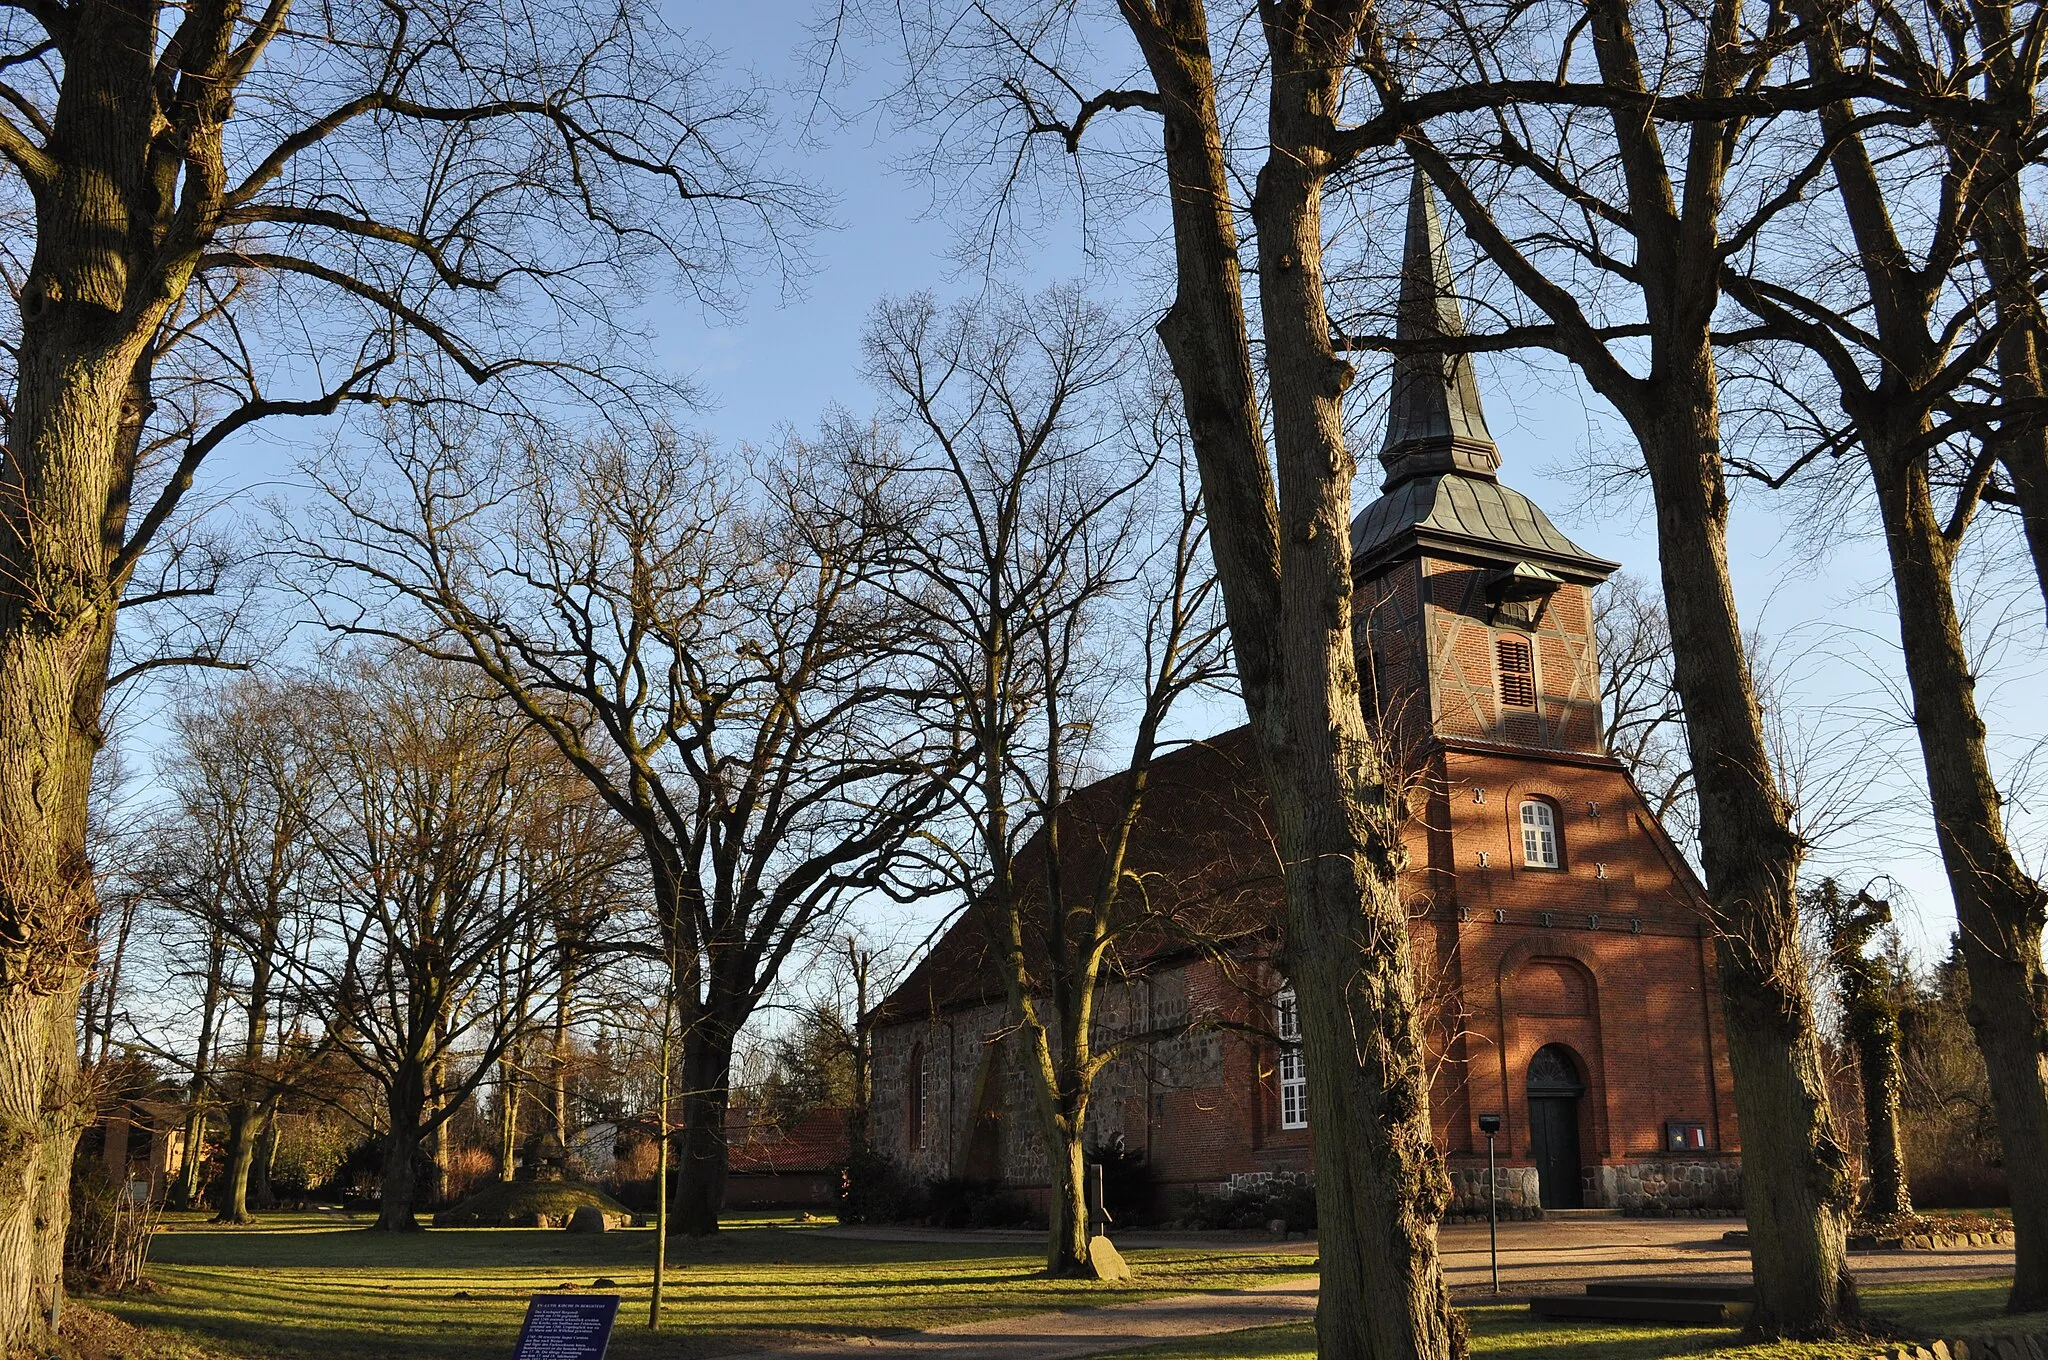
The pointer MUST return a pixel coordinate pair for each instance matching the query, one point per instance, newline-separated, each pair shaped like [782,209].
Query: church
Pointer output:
[1561,946]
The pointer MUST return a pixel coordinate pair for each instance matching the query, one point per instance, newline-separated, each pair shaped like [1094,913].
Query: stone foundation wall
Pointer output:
[1654,1189]
[1517,1190]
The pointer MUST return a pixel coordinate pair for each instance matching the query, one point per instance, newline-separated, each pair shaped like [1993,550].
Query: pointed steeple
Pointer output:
[1434,421]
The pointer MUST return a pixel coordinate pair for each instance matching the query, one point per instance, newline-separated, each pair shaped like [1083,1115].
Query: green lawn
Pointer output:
[300,1285]
[303,1285]
[1507,1332]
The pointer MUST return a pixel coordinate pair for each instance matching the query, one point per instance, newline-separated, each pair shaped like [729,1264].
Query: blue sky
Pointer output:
[1821,611]
[783,360]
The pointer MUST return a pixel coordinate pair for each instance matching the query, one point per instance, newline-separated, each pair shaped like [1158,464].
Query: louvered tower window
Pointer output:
[1517,673]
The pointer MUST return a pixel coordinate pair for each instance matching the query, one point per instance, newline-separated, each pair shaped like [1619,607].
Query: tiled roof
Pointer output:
[1473,514]
[817,1142]
[1203,848]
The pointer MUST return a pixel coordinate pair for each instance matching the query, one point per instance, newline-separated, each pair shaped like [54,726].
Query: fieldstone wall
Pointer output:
[1656,1189]
[1516,1187]
[2014,1347]
[973,1066]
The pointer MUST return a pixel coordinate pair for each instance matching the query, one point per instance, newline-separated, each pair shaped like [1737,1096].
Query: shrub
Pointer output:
[310,1149]
[873,1189]
[469,1168]
[1130,1187]
[107,1240]
[359,1173]
[1284,1196]
[960,1202]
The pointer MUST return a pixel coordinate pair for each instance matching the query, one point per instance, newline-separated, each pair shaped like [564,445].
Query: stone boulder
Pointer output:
[1105,1261]
[589,1218]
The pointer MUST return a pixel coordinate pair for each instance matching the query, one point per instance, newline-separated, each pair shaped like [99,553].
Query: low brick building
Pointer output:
[770,1167]
[1559,936]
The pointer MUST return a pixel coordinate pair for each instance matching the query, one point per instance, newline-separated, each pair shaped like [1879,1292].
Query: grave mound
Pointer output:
[532,1204]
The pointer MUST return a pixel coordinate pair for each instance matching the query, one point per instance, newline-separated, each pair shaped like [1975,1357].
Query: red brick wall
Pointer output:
[1606,954]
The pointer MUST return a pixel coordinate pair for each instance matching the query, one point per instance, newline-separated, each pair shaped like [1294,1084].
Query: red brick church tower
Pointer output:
[1549,906]
[1559,935]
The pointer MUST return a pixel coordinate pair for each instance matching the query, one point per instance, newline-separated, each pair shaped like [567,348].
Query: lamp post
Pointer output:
[1489,1124]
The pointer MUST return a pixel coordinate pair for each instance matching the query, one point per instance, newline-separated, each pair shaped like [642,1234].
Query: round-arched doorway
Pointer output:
[1554,1091]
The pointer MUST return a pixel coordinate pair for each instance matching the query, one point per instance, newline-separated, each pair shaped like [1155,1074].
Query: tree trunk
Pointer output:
[700,1170]
[1875,1033]
[1380,1185]
[508,1118]
[1795,1172]
[2000,233]
[245,1130]
[1999,907]
[1347,948]
[106,989]
[74,423]
[405,1101]
[863,1052]
[1870,1027]
[41,1112]
[186,1194]
[440,1142]
[1066,1253]
[56,622]
[559,1056]
[251,1110]
[1060,1087]
[401,1181]
[261,1196]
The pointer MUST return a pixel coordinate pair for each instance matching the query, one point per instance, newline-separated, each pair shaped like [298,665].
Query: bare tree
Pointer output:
[1610,204]
[221,217]
[710,651]
[450,827]
[1645,722]
[243,777]
[1268,434]
[1903,327]
[1998,135]
[1041,529]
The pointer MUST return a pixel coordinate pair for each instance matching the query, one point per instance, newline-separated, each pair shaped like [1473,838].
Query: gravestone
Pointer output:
[1106,1261]
[567,1327]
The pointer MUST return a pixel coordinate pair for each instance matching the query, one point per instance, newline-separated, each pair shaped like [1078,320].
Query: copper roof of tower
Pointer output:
[1467,516]
[1441,490]
[1434,420]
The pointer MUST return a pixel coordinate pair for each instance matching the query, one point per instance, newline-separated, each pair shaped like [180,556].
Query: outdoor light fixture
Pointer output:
[1489,1124]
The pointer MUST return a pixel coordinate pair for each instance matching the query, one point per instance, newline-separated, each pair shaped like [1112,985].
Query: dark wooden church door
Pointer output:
[1554,1091]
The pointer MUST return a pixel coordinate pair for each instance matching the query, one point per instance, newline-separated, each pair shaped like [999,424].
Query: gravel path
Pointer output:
[1084,1331]
[1558,1255]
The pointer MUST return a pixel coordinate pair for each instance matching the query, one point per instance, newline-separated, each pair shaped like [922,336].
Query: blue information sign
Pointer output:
[567,1327]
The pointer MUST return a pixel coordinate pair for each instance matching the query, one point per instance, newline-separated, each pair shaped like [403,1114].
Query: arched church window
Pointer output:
[1293,1072]
[1539,835]
[1517,672]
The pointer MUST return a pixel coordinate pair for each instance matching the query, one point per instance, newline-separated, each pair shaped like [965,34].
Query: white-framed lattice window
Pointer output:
[1539,835]
[1293,1072]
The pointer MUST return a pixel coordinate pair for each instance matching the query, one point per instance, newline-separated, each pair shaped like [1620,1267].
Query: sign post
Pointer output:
[567,1327]
[1489,1124]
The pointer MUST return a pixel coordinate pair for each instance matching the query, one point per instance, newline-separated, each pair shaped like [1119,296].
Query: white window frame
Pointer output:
[1293,1071]
[1542,848]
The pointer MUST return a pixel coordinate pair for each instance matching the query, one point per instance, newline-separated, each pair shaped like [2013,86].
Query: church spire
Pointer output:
[1434,421]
